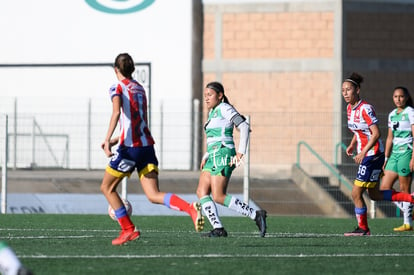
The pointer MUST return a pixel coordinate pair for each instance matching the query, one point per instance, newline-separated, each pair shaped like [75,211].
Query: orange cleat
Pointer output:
[197,216]
[126,236]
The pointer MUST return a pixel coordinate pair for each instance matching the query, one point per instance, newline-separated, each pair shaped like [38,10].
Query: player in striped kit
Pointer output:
[362,121]
[135,151]
[220,160]
[399,162]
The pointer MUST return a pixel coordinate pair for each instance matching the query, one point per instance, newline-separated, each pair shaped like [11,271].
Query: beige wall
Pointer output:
[283,64]
[247,51]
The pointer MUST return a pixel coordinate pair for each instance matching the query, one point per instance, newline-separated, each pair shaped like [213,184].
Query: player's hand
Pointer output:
[349,150]
[237,160]
[106,146]
[359,157]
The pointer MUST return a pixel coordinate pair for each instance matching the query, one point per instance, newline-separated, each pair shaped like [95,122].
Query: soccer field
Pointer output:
[81,244]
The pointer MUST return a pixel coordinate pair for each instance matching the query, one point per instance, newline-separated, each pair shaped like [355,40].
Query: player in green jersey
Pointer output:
[221,159]
[399,162]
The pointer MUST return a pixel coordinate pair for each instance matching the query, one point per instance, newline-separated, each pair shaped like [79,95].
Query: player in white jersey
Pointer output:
[362,121]
[135,152]
[399,158]
[221,159]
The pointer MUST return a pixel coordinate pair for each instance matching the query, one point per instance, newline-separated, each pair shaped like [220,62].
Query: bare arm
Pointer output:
[116,112]
[388,145]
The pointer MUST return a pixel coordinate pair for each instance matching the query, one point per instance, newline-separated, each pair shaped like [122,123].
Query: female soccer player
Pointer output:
[135,151]
[220,160]
[399,162]
[362,121]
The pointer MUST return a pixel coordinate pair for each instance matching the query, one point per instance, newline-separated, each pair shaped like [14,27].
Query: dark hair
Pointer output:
[218,88]
[355,79]
[409,101]
[125,64]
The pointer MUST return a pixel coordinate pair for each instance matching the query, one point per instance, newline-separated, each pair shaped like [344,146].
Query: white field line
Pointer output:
[203,256]
[90,233]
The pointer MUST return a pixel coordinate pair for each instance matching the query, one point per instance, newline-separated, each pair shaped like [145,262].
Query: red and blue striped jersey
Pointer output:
[134,116]
[360,118]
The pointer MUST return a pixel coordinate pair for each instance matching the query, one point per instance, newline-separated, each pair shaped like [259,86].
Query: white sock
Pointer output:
[240,207]
[408,213]
[9,263]
[210,210]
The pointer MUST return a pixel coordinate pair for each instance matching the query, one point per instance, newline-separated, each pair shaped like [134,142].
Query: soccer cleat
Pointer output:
[126,236]
[358,232]
[197,216]
[216,232]
[404,227]
[261,221]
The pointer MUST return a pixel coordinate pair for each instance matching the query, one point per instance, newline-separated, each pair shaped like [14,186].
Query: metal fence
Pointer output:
[69,136]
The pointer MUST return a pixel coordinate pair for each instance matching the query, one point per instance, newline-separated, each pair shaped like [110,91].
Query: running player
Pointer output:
[399,162]
[220,160]
[362,121]
[135,151]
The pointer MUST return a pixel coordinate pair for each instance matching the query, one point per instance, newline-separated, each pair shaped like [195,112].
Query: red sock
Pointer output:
[399,196]
[126,223]
[179,204]
[362,220]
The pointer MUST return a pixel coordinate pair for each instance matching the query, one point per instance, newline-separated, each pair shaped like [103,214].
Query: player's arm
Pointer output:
[116,112]
[412,155]
[351,146]
[388,145]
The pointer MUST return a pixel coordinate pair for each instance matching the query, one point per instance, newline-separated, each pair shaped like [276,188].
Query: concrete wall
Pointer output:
[283,63]
[279,63]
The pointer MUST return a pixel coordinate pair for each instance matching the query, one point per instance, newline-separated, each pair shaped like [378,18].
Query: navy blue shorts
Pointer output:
[127,159]
[369,171]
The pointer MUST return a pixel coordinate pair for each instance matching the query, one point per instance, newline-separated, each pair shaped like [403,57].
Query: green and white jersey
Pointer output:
[219,127]
[400,124]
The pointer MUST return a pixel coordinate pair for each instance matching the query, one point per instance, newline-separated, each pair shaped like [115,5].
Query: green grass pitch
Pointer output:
[81,244]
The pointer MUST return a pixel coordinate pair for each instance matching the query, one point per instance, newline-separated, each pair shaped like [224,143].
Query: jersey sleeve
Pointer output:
[115,90]
[368,113]
[231,114]
[411,115]
[389,120]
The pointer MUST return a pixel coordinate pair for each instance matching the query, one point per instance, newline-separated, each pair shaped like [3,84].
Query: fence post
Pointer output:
[196,135]
[124,190]
[4,170]
[33,164]
[246,174]
[88,136]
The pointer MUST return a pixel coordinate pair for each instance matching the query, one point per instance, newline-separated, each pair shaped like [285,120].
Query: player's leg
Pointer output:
[117,169]
[361,214]
[369,172]
[390,177]
[405,177]
[219,185]
[208,206]
[150,185]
